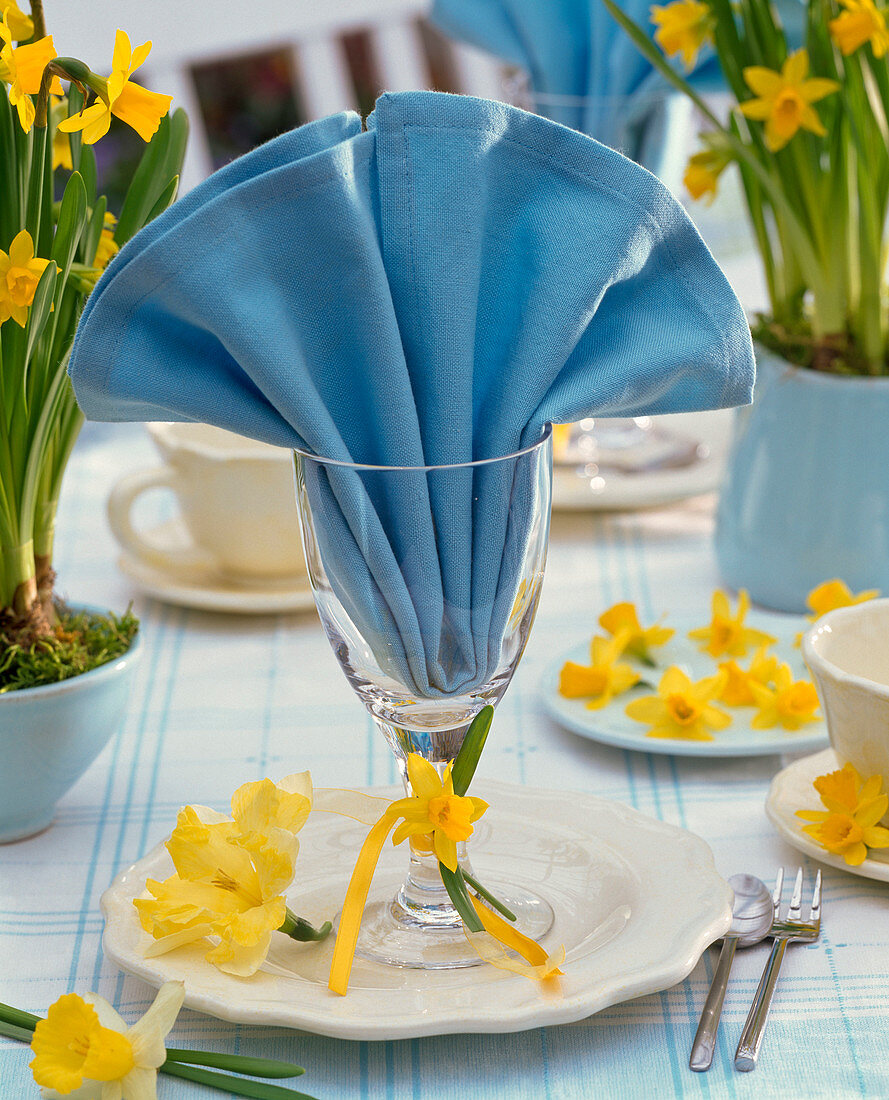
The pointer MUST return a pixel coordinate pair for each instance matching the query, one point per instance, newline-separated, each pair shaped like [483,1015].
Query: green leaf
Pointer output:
[237,1086]
[298,928]
[235,1063]
[41,308]
[456,888]
[165,200]
[88,171]
[471,749]
[71,223]
[93,232]
[488,896]
[161,161]
[75,103]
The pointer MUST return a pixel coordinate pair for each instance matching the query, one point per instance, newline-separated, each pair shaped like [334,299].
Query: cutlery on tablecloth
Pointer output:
[751,922]
[787,929]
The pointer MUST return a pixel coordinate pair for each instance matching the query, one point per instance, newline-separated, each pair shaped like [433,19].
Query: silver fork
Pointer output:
[787,929]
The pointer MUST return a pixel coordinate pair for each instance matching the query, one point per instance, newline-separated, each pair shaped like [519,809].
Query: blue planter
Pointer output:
[806,497]
[50,735]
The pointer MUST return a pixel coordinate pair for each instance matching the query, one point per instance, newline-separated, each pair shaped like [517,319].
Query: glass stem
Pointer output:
[423,898]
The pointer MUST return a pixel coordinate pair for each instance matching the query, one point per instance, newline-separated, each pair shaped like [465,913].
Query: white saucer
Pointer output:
[203,588]
[636,901]
[611,726]
[574,491]
[792,790]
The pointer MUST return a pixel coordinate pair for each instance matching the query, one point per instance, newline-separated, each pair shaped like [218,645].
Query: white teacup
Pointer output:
[847,651]
[236,499]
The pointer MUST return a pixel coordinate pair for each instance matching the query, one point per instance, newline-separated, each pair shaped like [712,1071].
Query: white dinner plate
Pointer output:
[636,902]
[611,726]
[792,790]
[203,588]
[575,490]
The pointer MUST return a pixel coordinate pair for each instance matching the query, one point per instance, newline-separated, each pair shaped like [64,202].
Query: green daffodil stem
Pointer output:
[38,19]
[18,1018]
[456,888]
[234,1086]
[23,1034]
[235,1063]
[20,1025]
[471,749]
[299,929]
[489,897]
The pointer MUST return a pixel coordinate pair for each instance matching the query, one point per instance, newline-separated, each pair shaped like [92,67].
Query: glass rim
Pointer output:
[547,434]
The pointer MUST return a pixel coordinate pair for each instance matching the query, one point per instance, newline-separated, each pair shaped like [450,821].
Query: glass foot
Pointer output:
[394,934]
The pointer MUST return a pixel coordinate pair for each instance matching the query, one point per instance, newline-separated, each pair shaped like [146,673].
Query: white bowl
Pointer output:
[847,652]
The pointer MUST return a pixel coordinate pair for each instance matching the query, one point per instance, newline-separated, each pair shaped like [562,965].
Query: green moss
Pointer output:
[80,641]
[834,354]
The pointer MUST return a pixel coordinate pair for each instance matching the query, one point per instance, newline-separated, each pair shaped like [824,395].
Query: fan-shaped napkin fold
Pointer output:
[432,290]
[576,50]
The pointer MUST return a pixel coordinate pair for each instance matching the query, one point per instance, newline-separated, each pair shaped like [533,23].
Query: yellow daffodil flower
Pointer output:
[726,636]
[107,247]
[84,1045]
[833,594]
[737,692]
[61,143]
[20,272]
[784,100]
[604,678]
[861,22]
[623,618]
[21,26]
[790,704]
[702,173]
[683,28]
[230,875]
[22,68]
[134,105]
[682,709]
[434,810]
[854,806]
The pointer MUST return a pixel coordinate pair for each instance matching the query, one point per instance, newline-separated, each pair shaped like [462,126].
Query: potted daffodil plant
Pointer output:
[56,236]
[808,131]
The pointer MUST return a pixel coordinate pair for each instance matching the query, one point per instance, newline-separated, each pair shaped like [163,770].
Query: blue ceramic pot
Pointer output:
[50,735]
[806,497]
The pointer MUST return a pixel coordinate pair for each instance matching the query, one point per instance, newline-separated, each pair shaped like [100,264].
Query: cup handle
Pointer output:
[119,510]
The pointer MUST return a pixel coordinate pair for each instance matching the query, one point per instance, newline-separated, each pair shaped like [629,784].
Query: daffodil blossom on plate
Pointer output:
[789,703]
[681,708]
[231,874]
[604,677]
[623,619]
[854,805]
[726,634]
[84,1050]
[737,691]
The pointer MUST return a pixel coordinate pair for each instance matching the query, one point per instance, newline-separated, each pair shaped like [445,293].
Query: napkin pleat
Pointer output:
[430,292]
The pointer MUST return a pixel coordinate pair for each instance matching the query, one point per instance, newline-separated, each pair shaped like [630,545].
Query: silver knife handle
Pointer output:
[751,1036]
[705,1038]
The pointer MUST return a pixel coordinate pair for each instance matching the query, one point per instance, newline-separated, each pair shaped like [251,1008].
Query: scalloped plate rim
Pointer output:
[698,931]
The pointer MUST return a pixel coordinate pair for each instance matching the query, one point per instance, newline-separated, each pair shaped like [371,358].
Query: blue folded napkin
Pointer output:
[575,49]
[435,289]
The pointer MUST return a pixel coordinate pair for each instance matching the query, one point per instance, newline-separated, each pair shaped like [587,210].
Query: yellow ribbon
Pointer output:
[541,966]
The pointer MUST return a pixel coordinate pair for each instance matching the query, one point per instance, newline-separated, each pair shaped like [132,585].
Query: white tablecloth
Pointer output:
[221,699]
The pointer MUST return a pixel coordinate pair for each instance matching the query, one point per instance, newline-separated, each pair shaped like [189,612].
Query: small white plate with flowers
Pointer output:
[739,687]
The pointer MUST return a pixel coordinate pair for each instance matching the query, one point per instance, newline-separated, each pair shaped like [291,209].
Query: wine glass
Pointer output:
[426,580]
